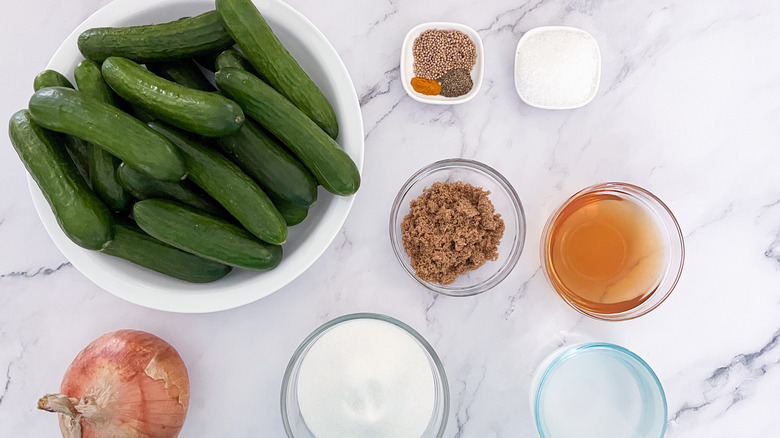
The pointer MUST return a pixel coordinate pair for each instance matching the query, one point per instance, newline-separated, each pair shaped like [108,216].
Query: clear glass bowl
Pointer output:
[505,201]
[670,231]
[293,421]
[597,390]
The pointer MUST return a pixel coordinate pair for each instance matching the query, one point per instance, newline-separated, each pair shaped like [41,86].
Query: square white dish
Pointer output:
[543,74]
[407,63]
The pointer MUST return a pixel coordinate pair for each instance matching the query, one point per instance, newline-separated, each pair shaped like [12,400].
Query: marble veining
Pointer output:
[380,89]
[509,20]
[730,384]
[721,215]
[7,382]
[466,393]
[521,293]
[687,108]
[35,272]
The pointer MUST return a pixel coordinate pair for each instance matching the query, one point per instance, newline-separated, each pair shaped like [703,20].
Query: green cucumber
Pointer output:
[201,112]
[132,244]
[184,72]
[90,81]
[77,150]
[269,57]
[275,170]
[228,185]
[102,165]
[205,236]
[332,167]
[232,58]
[141,114]
[80,214]
[102,176]
[76,147]
[178,39]
[50,78]
[68,111]
[292,214]
[143,186]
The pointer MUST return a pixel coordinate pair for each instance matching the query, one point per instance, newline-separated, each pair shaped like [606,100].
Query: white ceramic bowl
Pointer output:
[306,241]
[556,66]
[407,63]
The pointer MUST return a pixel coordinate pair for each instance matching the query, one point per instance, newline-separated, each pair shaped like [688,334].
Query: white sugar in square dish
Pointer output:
[557,67]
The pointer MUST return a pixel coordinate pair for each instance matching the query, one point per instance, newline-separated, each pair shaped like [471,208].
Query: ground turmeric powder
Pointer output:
[428,87]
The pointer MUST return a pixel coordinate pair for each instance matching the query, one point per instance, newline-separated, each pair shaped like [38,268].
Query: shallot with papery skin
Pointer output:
[128,384]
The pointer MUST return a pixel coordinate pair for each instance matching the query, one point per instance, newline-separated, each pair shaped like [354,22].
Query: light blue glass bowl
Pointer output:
[597,390]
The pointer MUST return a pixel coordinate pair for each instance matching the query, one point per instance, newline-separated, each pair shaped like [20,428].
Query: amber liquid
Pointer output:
[605,254]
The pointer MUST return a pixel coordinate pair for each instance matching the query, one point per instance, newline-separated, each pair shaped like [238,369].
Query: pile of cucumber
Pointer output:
[150,162]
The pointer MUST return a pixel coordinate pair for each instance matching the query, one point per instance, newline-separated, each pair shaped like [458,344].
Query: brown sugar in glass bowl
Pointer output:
[493,253]
[451,229]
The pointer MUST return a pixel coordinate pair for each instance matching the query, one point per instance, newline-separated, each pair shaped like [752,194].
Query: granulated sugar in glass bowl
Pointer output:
[557,67]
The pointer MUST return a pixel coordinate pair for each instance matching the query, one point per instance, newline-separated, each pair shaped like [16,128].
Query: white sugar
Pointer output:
[557,67]
[366,378]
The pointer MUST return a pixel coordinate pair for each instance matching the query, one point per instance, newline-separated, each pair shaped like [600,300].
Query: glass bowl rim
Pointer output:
[572,351]
[674,233]
[516,249]
[430,352]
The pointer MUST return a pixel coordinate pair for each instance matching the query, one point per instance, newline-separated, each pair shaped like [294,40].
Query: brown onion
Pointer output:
[128,384]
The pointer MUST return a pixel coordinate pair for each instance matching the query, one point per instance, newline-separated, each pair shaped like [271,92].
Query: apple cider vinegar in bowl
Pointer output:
[608,252]
[613,251]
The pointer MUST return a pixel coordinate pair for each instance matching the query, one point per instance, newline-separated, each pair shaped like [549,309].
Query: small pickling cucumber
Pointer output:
[184,72]
[68,111]
[201,112]
[50,78]
[134,245]
[332,167]
[292,214]
[143,186]
[102,177]
[80,214]
[140,113]
[228,185]
[204,235]
[76,147]
[184,38]
[272,60]
[90,81]
[102,165]
[77,150]
[276,170]
[232,58]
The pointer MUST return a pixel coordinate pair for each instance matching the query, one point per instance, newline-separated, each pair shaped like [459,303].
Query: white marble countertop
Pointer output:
[688,108]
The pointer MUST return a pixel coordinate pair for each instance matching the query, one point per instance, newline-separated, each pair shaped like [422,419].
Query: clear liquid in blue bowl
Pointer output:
[598,390]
